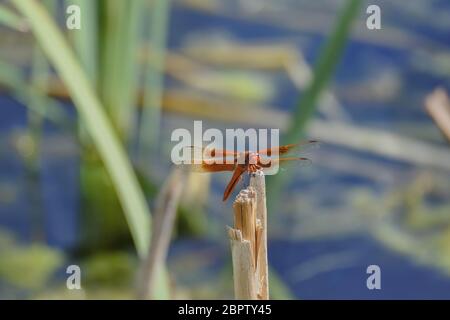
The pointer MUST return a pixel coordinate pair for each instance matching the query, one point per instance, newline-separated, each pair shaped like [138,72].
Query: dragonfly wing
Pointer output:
[206,167]
[300,160]
[273,165]
[210,153]
[200,159]
[289,147]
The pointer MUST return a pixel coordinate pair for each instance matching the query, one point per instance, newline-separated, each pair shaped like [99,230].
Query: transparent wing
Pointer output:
[273,165]
[212,152]
[299,147]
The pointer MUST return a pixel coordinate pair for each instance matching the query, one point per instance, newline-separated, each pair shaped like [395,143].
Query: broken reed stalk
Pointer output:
[258,182]
[248,241]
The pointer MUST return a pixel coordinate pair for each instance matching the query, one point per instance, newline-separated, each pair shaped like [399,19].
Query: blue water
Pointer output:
[58,214]
[401,278]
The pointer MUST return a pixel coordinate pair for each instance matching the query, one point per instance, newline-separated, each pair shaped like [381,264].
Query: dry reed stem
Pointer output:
[438,107]
[164,217]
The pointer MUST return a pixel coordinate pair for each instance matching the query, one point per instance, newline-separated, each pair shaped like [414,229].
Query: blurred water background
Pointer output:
[355,206]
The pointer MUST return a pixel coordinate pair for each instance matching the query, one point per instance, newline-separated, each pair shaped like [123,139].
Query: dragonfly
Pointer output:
[240,162]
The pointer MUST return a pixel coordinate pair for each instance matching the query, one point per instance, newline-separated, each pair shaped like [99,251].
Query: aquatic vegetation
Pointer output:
[27,267]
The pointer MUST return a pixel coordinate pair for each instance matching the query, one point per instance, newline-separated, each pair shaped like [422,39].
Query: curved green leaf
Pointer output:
[92,113]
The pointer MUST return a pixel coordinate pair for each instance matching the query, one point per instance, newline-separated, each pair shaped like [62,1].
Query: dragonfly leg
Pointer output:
[253,168]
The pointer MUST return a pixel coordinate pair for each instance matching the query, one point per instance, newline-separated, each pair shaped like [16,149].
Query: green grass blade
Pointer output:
[328,59]
[151,114]
[40,71]
[37,94]
[11,19]
[85,40]
[91,111]
[39,83]
[119,40]
[323,71]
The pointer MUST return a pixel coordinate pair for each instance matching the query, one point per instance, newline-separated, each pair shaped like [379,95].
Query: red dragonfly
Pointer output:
[246,161]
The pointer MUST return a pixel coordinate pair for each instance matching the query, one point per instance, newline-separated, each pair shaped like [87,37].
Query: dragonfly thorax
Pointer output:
[253,158]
